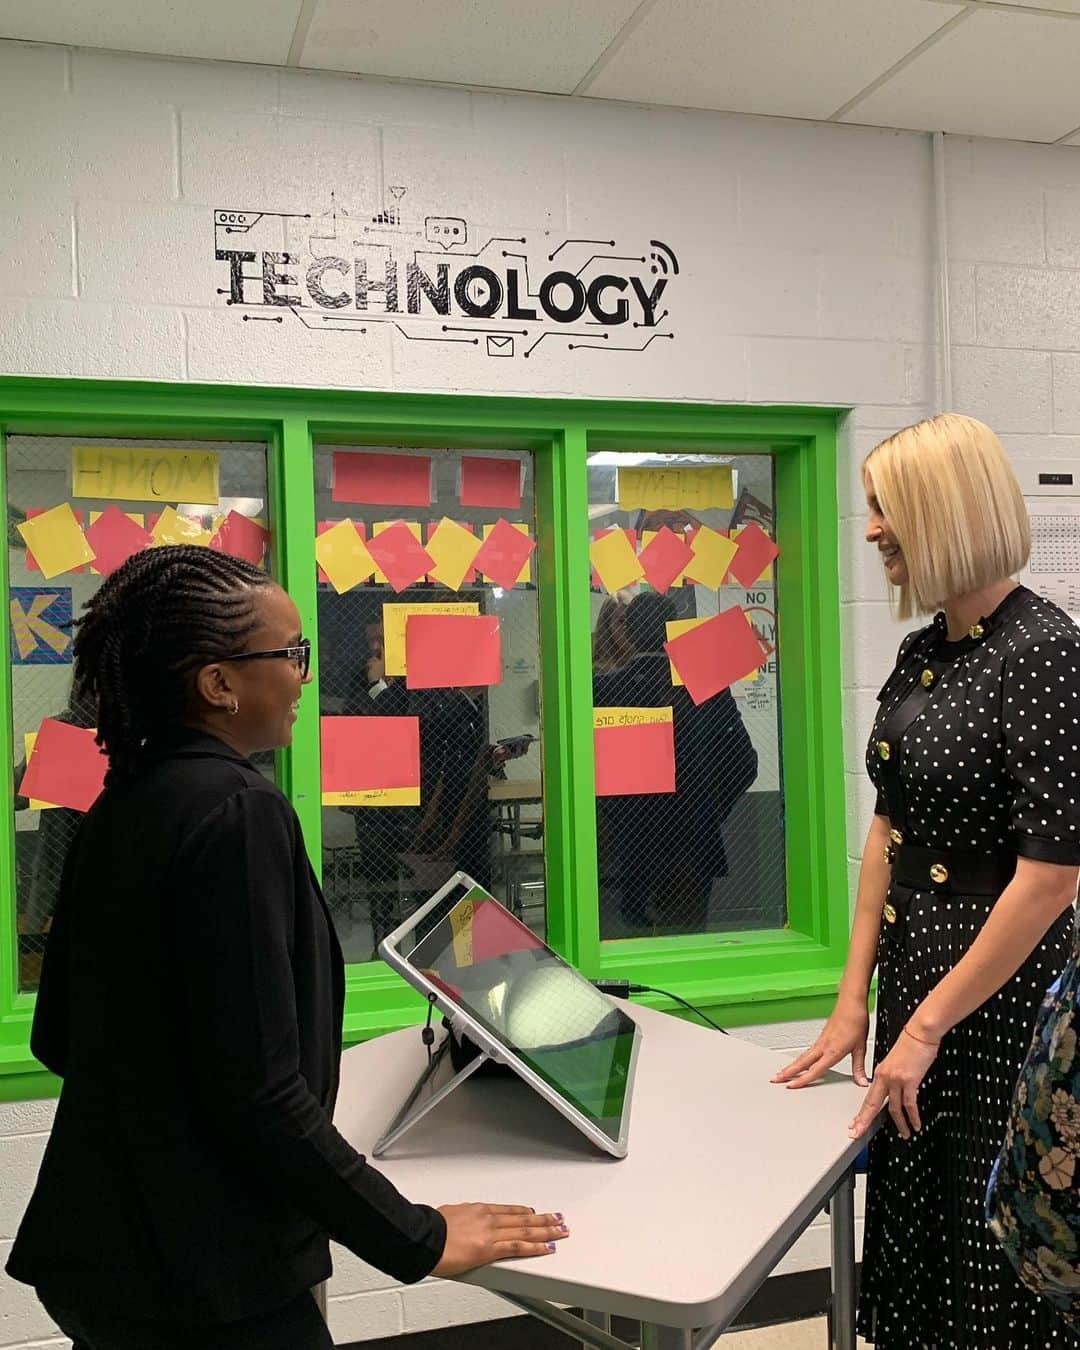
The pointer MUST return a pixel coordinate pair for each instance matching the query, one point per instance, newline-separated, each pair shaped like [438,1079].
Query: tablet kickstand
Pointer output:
[411,1111]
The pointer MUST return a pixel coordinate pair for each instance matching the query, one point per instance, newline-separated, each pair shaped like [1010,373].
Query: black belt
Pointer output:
[945,872]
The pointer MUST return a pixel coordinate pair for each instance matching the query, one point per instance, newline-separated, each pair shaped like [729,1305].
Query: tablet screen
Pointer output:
[532,1002]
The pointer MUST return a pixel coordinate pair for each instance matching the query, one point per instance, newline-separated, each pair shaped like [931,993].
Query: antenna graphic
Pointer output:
[664,259]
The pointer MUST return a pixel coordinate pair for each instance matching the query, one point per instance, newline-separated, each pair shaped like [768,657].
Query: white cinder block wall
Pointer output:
[807,275]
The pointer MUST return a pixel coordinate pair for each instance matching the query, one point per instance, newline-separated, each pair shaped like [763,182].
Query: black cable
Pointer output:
[624,988]
[428,1033]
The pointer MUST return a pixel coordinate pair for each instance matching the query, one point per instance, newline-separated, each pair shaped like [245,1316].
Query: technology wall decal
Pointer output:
[434,279]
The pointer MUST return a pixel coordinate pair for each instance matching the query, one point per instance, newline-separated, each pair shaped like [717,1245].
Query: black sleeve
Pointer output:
[233,938]
[50,1031]
[1040,728]
[735,752]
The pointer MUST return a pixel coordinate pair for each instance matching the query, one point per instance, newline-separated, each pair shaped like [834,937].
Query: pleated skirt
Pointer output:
[933,1278]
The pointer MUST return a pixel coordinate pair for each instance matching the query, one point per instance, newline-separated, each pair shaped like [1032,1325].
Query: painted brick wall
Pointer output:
[807,275]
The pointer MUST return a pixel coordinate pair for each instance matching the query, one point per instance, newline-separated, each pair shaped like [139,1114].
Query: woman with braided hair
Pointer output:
[191,1000]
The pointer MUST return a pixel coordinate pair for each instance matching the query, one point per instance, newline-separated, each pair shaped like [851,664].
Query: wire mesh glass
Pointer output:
[476,805]
[702,849]
[41,610]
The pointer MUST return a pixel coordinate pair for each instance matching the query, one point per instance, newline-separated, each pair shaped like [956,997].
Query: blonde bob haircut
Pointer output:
[952,500]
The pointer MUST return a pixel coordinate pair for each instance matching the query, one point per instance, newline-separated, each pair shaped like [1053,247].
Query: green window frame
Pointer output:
[745,977]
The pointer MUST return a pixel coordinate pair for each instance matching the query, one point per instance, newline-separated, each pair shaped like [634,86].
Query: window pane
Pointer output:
[431,722]
[690,814]
[84,477]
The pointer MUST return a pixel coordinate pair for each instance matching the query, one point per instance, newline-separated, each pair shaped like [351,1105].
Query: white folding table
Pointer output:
[725,1171]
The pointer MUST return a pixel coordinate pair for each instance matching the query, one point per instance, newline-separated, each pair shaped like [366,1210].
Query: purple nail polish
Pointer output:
[558,1216]
[551,1246]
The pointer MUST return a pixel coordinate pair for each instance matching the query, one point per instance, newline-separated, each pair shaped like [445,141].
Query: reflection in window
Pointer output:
[689,790]
[428,683]
[83,506]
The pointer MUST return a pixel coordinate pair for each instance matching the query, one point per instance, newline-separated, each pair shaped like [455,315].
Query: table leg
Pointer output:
[842,1233]
[597,1319]
[655,1337]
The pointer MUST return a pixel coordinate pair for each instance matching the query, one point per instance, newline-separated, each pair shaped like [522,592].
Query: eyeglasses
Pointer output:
[301,655]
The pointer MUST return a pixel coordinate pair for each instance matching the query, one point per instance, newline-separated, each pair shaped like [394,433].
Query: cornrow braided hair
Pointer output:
[153,624]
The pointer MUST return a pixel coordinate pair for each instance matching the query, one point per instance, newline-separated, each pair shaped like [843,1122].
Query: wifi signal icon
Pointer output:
[664,259]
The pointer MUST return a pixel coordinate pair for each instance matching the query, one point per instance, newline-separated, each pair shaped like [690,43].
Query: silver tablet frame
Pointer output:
[490,1046]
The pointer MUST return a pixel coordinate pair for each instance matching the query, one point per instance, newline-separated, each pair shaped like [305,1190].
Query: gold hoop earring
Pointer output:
[234,708]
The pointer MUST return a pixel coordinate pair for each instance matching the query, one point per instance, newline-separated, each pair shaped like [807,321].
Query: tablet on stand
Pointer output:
[521,1005]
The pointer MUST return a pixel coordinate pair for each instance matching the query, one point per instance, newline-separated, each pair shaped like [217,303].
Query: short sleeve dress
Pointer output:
[984,760]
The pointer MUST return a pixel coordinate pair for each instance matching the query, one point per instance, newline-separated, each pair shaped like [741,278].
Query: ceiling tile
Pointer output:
[242,30]
[506,44]
[791,58]
[1000,73]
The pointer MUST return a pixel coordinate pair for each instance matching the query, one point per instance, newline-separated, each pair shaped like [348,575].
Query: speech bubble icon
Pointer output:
[446,230]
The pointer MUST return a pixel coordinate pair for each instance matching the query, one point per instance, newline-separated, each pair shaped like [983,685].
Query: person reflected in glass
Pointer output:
[191,1001]
[669,847]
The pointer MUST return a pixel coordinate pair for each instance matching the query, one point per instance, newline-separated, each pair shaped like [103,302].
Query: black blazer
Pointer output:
[191,999]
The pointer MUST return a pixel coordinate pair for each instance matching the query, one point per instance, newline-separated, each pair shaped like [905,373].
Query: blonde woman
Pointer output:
[968,873]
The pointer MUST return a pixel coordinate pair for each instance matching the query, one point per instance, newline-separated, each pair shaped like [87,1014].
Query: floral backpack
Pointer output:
[1032,1203]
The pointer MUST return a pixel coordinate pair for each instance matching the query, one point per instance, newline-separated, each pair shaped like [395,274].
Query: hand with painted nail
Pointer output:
[896,1084]
[476,1235]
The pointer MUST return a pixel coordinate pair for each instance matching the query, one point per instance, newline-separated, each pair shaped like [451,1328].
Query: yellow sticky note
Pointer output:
[676,487]
[56,540]
[344,556]
[526,572]
[461,922]
[615,561]
[404,796]
[134,473]
[675,627]
[453,548]
[713,553]
[173,528]
[29,741]
[377,529]
[630,717]
[394,618]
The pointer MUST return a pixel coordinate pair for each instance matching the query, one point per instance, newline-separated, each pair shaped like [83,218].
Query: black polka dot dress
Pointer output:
[989,764]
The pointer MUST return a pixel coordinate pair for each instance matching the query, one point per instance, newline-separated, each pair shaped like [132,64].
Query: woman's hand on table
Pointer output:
[896,1081]
[843,1034]
[477,1235]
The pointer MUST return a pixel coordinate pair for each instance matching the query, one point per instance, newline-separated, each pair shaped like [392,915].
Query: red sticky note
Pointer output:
[634,759]
[382,480]
[114,537]
[599,534]
[712,656]
[242,537]
[32,564]
[756,552]
[504,553]
[452,651]
[664,558]
[65,768]
[400,556]
[495,932]
[491,482]
[362,753]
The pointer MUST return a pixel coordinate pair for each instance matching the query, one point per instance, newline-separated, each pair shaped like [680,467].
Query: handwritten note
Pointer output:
[676,487]
[635,751]
[131,473]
